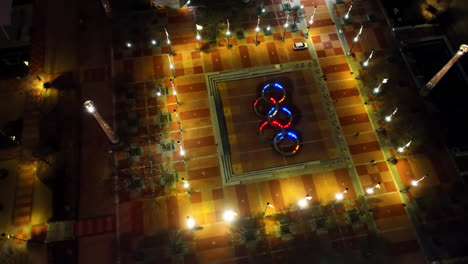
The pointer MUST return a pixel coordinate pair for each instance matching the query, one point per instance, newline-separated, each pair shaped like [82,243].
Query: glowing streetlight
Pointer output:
[366,62]
[303,202]
[168,41]
[355,40]
[371,190]
[154,42]
[228,33]
[416,182]
[402,149]
[198,37]
[229,216]
[349,10]
[178,120]
[171,66]
[129,45]
[311,21]
[389,117]
[286,25]
[377,89]
[26,63]
[13,237]
[174,91]
[89,106]
[181,149]
[263,10]
[266,207]
[434,80]
[190,222]
[339,196]
[257,29]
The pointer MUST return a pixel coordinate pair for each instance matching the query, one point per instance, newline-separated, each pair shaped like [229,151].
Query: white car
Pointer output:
[300,46]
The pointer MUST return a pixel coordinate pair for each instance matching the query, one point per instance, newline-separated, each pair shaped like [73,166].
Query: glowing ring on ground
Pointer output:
[265,125]
[280,137]
[276,122]
[277,86]
[270,112]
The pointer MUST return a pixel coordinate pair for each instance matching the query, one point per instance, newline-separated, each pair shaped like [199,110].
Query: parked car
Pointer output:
[300,46]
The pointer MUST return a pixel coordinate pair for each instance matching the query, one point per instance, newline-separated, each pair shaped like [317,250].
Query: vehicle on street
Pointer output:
[300,46]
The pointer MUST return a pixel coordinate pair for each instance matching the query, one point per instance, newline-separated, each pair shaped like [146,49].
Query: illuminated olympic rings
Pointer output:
[276,122]
[283,148]
[271,110]
[275,86]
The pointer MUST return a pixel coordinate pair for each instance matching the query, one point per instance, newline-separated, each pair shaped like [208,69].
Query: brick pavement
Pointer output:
[145,214]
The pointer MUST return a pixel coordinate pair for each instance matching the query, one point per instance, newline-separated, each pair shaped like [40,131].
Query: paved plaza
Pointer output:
[203,105]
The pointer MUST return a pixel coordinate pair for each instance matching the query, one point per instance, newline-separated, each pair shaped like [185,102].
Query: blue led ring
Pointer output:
[276,86]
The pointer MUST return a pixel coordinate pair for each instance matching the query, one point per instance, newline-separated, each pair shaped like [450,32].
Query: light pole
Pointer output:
[349,10]
[393,159]
[286,25]
[377,89]
[339,196]
[228,33]
[303,202]
[432,83]
[366,62]
[178,120]
[168,41]
[171,66]
[311,21]
[389,117]
[174,91]
[229,215]
[190,222]
[198,35]
[257,29]
[371,190]
[11,236]
[186,185]
[355,40]
[266,207]
[181,149]
[416,182]
[89,105]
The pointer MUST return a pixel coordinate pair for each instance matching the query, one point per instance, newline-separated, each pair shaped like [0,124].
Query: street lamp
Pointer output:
[389,117]
[171,66]
[416,182]
[178,120]
[366,62]
[229,215]
[303,202]
[402,149]
[198,35]
[174,91]
[228,33]
[286,25]
[434,80]
[257,29]
[339,196]
[168,41]
[377,89]
[311,21]
[129,44]
[190,222]
[89,106]
[349,10]
[11,236]
[154,42]
[266,207]
[182,151]
[355,40]
[371,190]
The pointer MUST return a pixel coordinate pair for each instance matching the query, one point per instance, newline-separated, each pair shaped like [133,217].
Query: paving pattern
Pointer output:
[148,213]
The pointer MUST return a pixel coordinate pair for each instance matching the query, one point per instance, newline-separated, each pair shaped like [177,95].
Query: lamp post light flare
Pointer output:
[366,62]
[416,182]
[171,66]
[286,25]
[371,190]
[198,37]
[339,196]
[349,10]
[355,40]
[402,149]
[168,41]
[377,89]
[257,29]
[303,202]
[389,117]
[228,33]
[190,222]
[229,216]
[89,106]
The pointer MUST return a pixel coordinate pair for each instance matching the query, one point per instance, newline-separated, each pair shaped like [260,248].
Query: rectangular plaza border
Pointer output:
[220,131]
